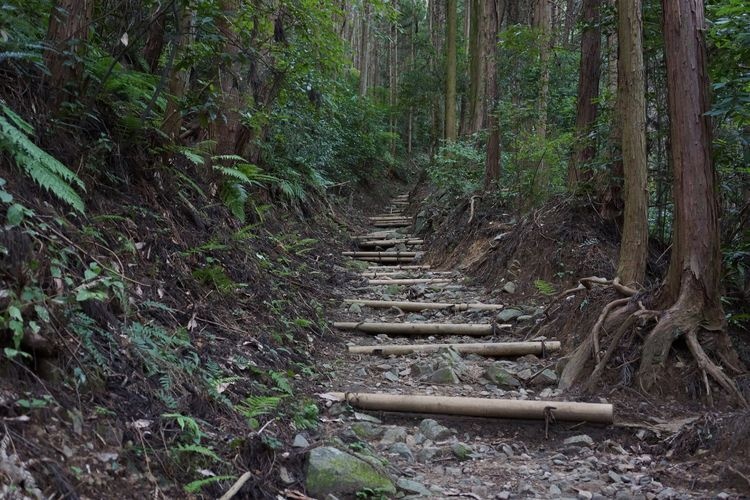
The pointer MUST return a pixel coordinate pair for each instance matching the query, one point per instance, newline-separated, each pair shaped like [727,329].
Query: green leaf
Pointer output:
[15,215]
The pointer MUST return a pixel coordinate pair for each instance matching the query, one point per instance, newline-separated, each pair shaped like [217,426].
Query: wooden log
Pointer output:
[480,407]
[381,235]
[404,274]
[389,243]
[390,217]
[379,254]
[398,267]
[409,281]
[387,223]
[386,259]
[497,349]
[421,306]
[422,328]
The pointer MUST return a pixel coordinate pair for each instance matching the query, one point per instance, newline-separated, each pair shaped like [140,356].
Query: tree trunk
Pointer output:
[584,148]
[226,127]
[67,34]
[477,65]
[155,41]
[692,285]
[393,80]
[364,50]
[178,79]
[543,22]
[493,14]
[450,70]
[631,267]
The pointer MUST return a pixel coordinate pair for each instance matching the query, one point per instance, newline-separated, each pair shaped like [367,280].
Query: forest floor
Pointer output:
[657,447]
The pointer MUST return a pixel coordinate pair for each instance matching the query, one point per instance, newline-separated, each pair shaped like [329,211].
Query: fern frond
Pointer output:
[42,167]
[234,196]
[199,450]
[196,486]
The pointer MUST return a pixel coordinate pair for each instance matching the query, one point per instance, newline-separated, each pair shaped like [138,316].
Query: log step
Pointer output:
[389,243]
[409,281]
[380,254]
[496,349]
[382,235]
[421,306]
[423,328]
[397,268]
[386,259]
[391,223]
[403,274]
[480,407]
[390,217]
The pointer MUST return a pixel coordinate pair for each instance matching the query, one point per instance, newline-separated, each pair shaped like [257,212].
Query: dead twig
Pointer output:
[237,486]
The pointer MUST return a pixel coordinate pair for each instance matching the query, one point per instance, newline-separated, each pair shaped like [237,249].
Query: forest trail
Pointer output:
[416,454]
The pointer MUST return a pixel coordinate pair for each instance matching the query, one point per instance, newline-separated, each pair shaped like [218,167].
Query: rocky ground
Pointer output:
[392,455]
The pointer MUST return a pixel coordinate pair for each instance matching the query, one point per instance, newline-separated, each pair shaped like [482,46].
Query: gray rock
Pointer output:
[427,454]
[355,309]
[394,435]
[525,374]
[500,376]
[585,495]
[524,317]
[503,495]
[433,430]
[507,450]
[580,440]
[300,441]
[555,491]
[445,375]
[547,377]
[462,451]
[391,377]
[420,369]
[414,487]
[402,451]
[364,417]
[510,287]
[366,430]
[508,314]
[614,477]
[332,471]
[285,476]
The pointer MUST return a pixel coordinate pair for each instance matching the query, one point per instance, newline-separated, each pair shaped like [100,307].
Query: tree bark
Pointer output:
[584,148]
[226,127]
[67,34]
[477,63]
[155,41]
[364,50]
[692,285]
[631,267]
[543,22]
[450,70]
[493,13]
[172,123]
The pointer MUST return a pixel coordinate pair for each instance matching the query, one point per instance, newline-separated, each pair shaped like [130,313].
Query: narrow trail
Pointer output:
[414,332]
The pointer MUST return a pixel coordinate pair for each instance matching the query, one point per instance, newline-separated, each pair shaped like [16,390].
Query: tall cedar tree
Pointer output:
[450,70]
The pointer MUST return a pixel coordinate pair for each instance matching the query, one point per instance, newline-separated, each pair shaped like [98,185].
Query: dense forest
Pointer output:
[184,185]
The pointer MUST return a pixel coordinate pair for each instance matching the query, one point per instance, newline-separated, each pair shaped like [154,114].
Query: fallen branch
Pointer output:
[237,486]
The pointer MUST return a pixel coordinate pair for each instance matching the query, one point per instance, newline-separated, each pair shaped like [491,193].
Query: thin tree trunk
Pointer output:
[364,50]
[67,33]
[172,123]
[393,80]
[584,148]
[493,10]
[631,267]
[226,127]
[543,21]
[155,41]
[477,66]
[450,70]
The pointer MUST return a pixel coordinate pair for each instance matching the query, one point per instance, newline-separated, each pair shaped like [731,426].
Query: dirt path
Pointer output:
[450,456]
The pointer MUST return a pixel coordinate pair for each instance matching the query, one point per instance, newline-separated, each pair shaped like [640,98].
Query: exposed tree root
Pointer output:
[686,317]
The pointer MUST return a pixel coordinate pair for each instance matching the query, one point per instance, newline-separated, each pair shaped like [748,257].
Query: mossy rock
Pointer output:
[331,471]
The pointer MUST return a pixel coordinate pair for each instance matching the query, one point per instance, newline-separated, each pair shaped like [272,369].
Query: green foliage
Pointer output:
[215,276]
[256,406]
[544,287]
[458,167]
[197,485]
[42,167]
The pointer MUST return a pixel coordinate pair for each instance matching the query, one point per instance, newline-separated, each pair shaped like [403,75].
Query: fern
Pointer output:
[544,287]
[234,196]
[42,167]
[198,450]
[196,486]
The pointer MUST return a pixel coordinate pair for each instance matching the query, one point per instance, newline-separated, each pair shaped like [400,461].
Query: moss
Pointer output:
[333,471]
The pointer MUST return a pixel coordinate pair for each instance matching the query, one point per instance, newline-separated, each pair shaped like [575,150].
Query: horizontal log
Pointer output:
[404,274]
[387,223]
[381,235]
[484,349]
[422,328]
[421,306]
[409,281]
[386,259]
[379,254]
[481,407]
[389,243]
[390,217]
[396,268]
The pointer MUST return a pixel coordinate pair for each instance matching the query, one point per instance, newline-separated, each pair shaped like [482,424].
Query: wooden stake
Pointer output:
[421,306]
[484,349]
[423,328]
[480,407]
[409,281]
